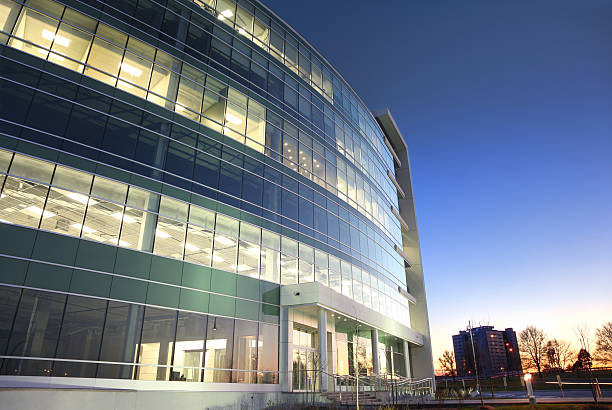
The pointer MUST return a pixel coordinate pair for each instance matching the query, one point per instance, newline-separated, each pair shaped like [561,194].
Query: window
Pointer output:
[104,218]
[189,98]
[106,56]
[164,79]
[71,42]
[219,346]
[80,336]
[136,70]
[256,126]
[198,246]
[189,347]
[245,352]
[120,339]
[35,332]
[37,28]
[170,231]
[270,256]
[267,357]
[225,243]
[249,250]
[156,344]
[289,261]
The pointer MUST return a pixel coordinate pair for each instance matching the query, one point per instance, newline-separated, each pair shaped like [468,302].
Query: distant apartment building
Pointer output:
[496,352]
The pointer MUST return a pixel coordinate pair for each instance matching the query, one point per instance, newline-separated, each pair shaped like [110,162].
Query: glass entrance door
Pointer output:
[305,364]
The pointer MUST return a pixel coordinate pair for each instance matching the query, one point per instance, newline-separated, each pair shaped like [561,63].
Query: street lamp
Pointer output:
[527,378]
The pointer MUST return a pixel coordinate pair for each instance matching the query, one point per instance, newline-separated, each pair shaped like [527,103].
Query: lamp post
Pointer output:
[475,364]
[527,378]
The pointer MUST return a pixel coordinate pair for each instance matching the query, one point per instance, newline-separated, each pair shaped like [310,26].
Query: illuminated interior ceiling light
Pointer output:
[161,234]
[242,268]
[36,212]
[85,228]
[223,240]
[127,219]
[56,57]
[232,118]
[2,196]
[179,108]
[80,198]
[253,249]
[242,31]
[191,247]
[119,241]
[227,13]
[216,258]
[61,40]
[130,69]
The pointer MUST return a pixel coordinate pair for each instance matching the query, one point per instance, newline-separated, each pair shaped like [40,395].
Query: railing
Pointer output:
[397,388]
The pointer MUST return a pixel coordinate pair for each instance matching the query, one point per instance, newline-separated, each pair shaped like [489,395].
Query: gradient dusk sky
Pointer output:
[506,107]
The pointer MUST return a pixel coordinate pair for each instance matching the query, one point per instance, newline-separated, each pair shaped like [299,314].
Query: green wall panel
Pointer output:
[41,275]
[91,283]
[133,263]
[51,247]
[17,241]
[247,287]
[195,276]
[12,271]
[193,300]
[96,256]
[166,270]
[129,289]
[163,295]
[223,282]
[222,305]
[247,310]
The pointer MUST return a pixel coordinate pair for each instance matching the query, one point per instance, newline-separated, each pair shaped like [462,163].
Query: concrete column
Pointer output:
[375,363]
[407,359]
[285,350]
[149,223]
[322,327]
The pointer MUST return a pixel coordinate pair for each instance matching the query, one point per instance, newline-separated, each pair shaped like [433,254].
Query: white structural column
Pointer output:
[375,363]
[323,348]
[407,359]
[285,349]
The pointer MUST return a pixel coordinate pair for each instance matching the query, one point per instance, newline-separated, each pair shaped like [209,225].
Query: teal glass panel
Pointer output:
[128,289]
[223,282]
[194,300]
[55,248]
[132,263]
[48,276]
[162,295]
[195,276]
[166,270]
[96,256]
[222,305]
[12,271]
[90,283]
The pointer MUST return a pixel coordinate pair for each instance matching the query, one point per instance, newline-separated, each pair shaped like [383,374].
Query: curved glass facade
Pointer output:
[188,159]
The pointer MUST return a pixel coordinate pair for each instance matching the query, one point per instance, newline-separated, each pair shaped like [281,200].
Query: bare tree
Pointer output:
[447,363]
[583,333]
[603,343]
[559,354]
[532,347]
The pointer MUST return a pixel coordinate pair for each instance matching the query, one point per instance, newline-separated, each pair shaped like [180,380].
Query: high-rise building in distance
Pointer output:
[496,352]
[190,192]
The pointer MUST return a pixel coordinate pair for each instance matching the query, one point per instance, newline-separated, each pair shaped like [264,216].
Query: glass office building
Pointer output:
[191,193]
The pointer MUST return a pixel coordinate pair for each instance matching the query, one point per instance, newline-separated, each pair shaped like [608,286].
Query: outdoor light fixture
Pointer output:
[527,378]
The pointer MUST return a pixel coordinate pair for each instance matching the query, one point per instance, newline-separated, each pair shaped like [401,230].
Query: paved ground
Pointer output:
[542,396]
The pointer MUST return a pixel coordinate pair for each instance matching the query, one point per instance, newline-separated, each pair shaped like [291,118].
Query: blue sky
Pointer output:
[506,107]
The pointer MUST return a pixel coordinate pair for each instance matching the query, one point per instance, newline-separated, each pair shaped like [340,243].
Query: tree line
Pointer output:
[540,353]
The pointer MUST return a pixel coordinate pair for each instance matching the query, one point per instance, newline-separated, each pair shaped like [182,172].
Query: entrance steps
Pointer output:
[350,398]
